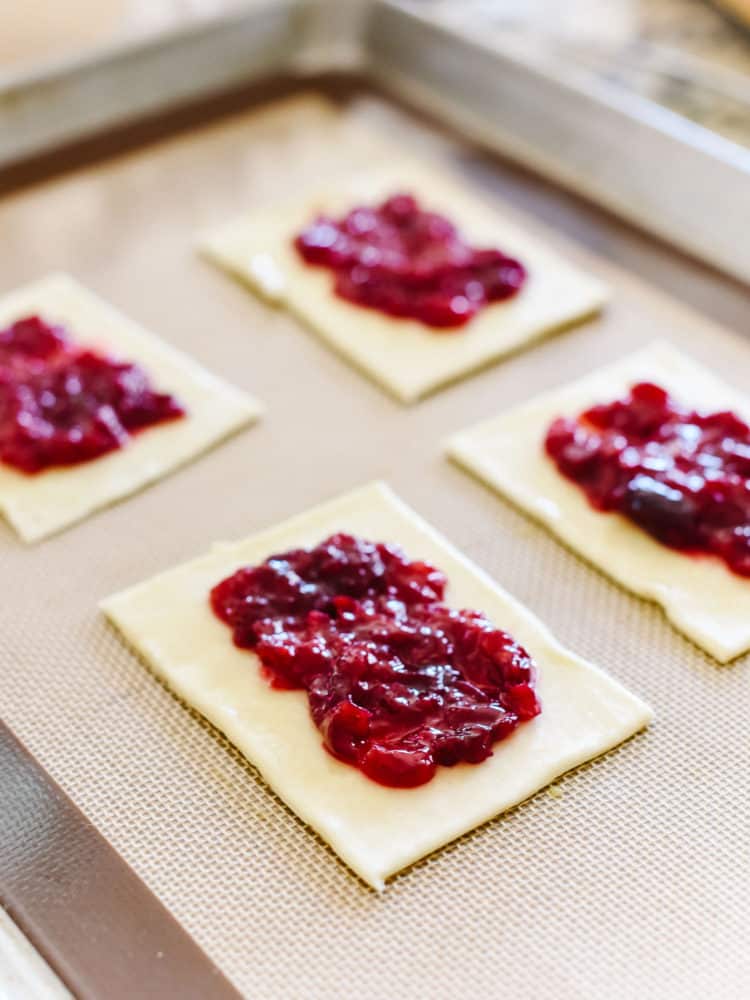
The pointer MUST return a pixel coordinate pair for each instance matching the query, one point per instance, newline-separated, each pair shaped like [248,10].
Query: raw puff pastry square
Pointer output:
[376,830]
[404,356]
[44,503]
[701,597]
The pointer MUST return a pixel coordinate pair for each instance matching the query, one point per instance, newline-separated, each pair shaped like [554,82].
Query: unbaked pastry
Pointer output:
[41,504]
[404,356]
[376,830]
[700,596]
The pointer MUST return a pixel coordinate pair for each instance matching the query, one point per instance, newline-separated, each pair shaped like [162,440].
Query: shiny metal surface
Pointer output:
[78,97]
[616,147]
[650,166]
[122,943]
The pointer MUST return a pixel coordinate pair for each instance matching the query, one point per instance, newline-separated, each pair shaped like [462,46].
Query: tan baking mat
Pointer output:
[633,882]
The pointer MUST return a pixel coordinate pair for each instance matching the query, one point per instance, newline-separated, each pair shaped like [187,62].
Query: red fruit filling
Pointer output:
[397,682]
[61,404]
[405,261]
[682,475]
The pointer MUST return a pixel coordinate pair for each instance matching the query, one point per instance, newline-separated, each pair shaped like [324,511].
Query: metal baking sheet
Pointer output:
[656,168]
[630,880]
[674,178]
[80,904]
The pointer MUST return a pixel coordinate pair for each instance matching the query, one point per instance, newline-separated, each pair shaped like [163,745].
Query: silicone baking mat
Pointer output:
[630,880]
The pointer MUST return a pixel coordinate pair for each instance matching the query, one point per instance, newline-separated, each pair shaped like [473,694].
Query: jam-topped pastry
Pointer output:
[62,404]
[404,261]
[682,475]
[397,682]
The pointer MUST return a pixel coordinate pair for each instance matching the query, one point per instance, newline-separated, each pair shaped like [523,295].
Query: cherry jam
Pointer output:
[682,475]
[407,262]
[61,404]
[397,682]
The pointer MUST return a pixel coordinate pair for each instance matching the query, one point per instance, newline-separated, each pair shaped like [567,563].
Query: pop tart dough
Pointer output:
[700,596]
[404,356]
[377,831]
[43,504]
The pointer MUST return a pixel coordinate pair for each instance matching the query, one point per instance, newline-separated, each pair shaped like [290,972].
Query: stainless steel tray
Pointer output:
[651,166]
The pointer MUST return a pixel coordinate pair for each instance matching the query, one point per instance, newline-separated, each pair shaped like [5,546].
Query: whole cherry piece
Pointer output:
[397,682]
[407,262]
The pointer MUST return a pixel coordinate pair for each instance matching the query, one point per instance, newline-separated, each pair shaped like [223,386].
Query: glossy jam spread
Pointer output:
[404,261]
[61,404]
[397,682]
[682,475]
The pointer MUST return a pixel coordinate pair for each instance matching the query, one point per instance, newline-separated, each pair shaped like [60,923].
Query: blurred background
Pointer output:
[35,32]
[641,106]
[690,56]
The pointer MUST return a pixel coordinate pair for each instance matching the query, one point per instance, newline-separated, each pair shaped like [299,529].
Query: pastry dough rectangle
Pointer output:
[404,356]
[41,504]
[701,596]
[376,830]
